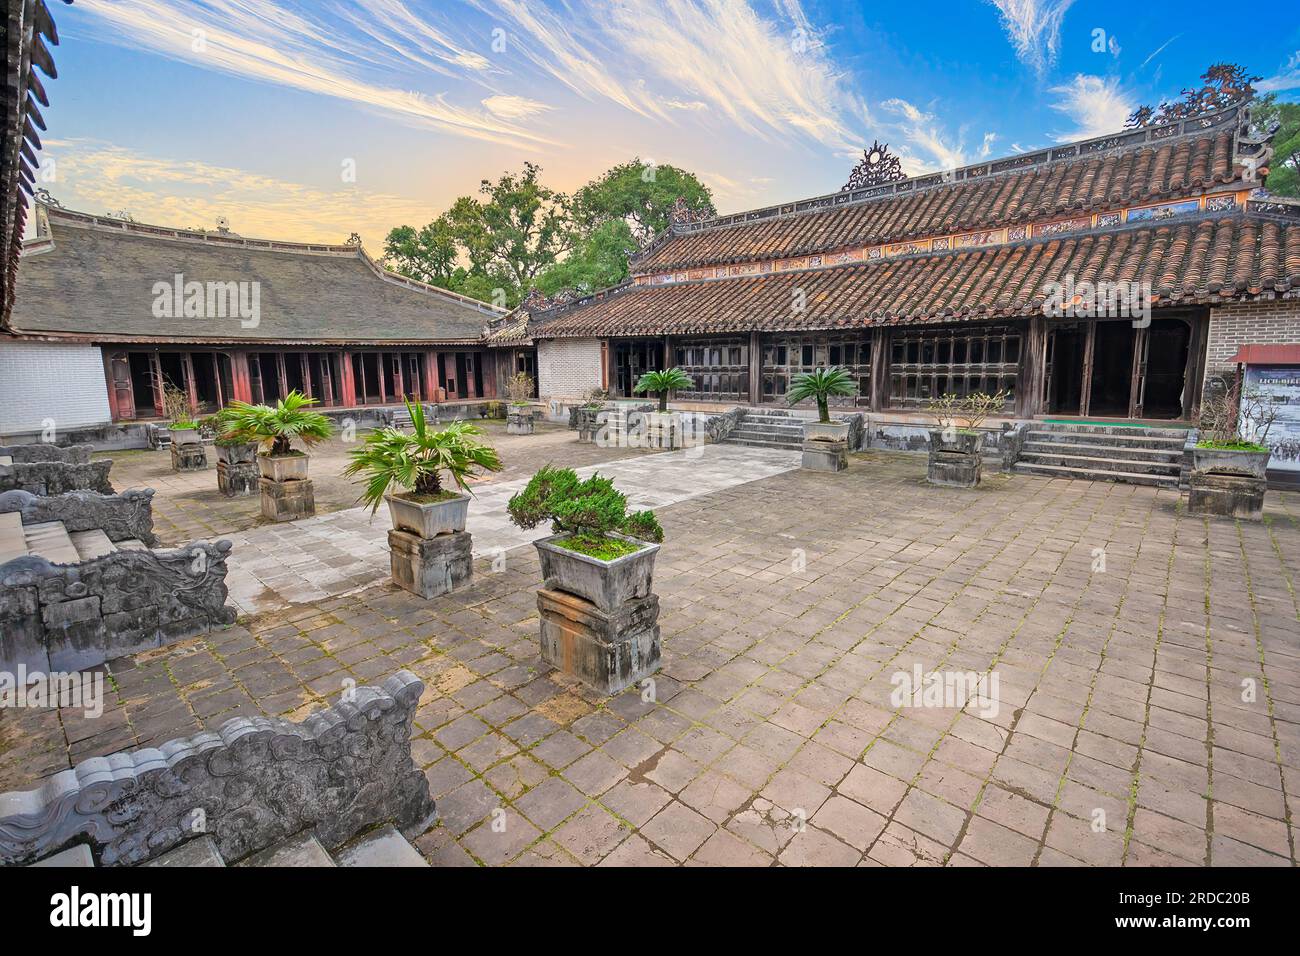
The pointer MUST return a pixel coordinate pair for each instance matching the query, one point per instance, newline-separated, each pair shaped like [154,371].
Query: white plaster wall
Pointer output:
[41,380]
[567,368]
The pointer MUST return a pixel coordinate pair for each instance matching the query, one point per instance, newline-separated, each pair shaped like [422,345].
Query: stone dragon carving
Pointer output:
[71,454]
[249,785]
[122,517]
[56,477]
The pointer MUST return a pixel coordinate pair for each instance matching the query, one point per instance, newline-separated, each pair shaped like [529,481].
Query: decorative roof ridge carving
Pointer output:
[1120,141]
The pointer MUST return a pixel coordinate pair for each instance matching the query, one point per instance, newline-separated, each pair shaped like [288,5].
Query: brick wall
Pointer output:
[1274,322]
[567,368]
[40,381]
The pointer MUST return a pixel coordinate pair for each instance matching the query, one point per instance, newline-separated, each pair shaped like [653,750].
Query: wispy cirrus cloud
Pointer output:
[96,176]
[1034,28]
[268,42]
[1288,78]
[926,145]
[1096,105]
[766,76]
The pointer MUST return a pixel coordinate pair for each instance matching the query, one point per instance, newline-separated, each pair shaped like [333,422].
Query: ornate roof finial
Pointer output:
[353,240]
[876,167]
[43,196]
[683,215]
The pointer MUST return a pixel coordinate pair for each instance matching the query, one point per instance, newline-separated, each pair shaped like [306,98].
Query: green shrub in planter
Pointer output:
[592,512]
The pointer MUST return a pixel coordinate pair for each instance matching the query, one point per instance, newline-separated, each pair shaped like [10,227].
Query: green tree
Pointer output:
[640,194]
[598,262]
[429,254]
[1284,168]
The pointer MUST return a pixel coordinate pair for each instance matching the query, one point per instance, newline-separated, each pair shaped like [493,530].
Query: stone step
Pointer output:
[759,443]
[1151,431]
[92,544]
[297,851]
[1103,462]
[1086,448]
[1094,474]
[767,431]
[1115,441]
[382,847]
[200,852]
[50,540]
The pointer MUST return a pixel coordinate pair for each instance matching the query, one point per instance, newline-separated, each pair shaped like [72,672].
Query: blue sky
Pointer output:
[310,120]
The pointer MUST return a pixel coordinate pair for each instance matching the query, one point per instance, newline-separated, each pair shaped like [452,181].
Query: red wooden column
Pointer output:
[191,388]
[347,381]
[121,397]
[489,371]
[155,372]
[240,382]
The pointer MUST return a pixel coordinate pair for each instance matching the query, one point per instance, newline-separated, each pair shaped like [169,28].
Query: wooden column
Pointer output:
[1085,388]
[879,368]
[431,382]
[155,373]
[239,379]
[1033,369]
[755,368]
[347,381]
[282,374]
[606,365]
[191,388]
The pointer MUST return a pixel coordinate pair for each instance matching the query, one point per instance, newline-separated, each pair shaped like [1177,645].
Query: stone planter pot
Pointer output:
[586,420]
[281,468]
[184,436]
[1228,461]
[243,454]
[663,430]
[519,420]
[609,585]
[826,431]
[962,443]
[428,520]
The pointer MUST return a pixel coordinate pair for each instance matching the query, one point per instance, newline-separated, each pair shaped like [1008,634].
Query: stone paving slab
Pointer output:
[1147,710]
[341,552]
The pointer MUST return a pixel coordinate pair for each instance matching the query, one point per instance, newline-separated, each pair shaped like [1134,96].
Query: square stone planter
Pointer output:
[607,584]
[1226,495]
[428,519]
[955,460]
[586,420]
[241,454]
[663,430]
[823,454]
[519,420]
[282,468]
[608,652]
[237,480]
[826,431]
[1230,461]
[192,456]
[955,442]
[184,436]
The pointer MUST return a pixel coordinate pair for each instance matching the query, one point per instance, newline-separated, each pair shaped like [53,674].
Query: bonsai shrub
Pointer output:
[520,388]
[945,409]
[1223,416]
[972,410]
[591,511]
[661,383]
[176,407]
[494,410]
[275,429]
[595,398]
[820,385]
[417,461]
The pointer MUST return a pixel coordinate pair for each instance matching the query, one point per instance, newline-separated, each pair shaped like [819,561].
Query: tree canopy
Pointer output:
[519,234]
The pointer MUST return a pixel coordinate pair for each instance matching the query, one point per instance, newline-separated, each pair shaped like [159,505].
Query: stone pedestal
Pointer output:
[287,500]
[519,423]
[1227,496]
[237,480]
[431,566]
[189,457]
[607,652]
[954,469]
[822,455]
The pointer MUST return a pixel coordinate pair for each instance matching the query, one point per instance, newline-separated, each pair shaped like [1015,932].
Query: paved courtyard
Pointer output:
[1146,708]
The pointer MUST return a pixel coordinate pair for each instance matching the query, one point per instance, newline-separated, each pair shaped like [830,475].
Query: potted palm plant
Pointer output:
[275,430]
[663,428]
[597,550]
[821,385]
[416,462]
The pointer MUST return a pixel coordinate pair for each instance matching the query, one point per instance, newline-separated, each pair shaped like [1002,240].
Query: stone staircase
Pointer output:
[52,541]
[768,428]
[1137,455]
[382,847]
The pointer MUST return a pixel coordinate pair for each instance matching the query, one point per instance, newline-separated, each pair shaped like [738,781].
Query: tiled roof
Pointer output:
[94,277]
[28,28]
[1197,261]
[1144,165]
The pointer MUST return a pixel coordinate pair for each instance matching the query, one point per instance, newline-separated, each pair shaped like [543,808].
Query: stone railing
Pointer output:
[1011,442]
[70,617]
[70,454]
[49,478]
[719,427]
[249,785]
[122,517]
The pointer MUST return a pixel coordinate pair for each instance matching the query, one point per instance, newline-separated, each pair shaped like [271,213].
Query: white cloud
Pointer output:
[269,43]
[95,176]
[766,77]
[513,107]
[1096,105]
[926,145]
[1288,79]
[1034,28]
